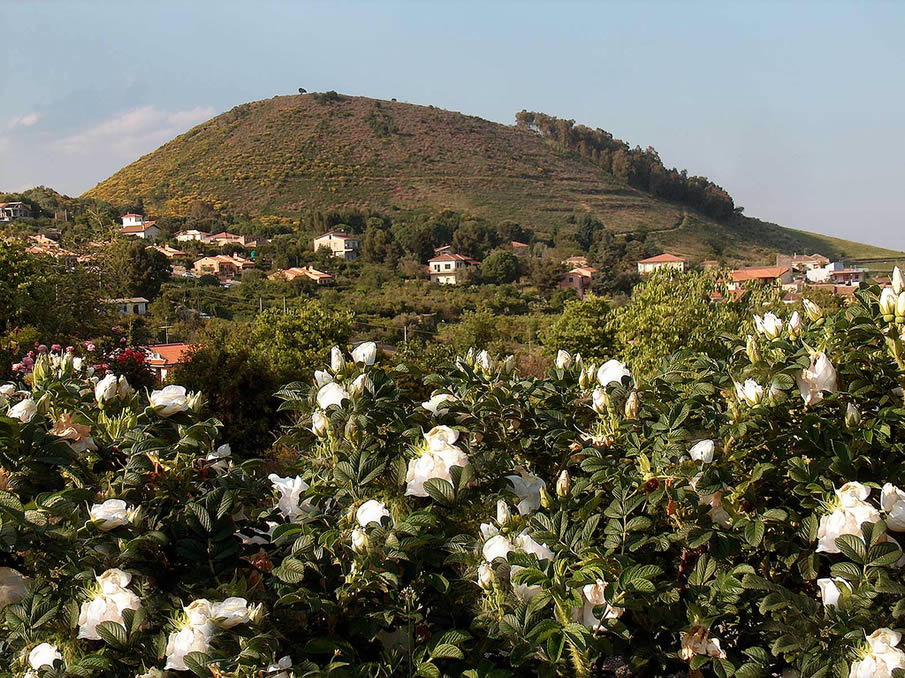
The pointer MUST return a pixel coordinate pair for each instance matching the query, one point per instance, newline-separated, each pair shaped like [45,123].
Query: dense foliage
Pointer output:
[732,516]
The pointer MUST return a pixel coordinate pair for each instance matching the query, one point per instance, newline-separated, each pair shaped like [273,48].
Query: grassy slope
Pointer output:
[289,154]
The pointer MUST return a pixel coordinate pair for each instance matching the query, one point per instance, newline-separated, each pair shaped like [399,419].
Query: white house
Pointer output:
[664,260]
[191,234]
[836,272]
[447,269]
[14,210]
[340,244]
[136,226]
[131,305]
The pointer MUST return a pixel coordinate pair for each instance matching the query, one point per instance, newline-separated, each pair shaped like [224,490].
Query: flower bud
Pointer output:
[584,379]
[503,516]
[41,370]
[545,499]
[852,417]
[563,360]
[600,401]
[898,282]
[484,362]
[900,305]
[888,301]
[632,404]
[359,540]
[795,326]
[812,310]
[319,423]
[563,484]
[485,577]
[752,350]
[337,361]
[509,364]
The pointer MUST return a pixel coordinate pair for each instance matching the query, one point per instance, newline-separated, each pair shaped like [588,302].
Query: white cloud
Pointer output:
[132,133]
[26,120]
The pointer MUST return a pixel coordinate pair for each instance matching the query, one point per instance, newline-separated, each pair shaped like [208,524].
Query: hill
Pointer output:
[293,154]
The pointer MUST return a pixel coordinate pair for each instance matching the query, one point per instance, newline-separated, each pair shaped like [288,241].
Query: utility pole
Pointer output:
[284,303]
[405,334]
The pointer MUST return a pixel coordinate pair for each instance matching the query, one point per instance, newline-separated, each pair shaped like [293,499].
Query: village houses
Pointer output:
[448,269]
[306,272]
[135,225]
[578,279]
[14,210]
[222,266]
[662,261]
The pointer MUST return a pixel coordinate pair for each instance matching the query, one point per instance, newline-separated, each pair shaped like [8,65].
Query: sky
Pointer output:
[796,108]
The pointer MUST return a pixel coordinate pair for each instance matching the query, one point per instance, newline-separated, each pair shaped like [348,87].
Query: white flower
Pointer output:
[109,515]
[717,513]
[291,490]
[108,604]
[698,641]
[485,576]
[319,423]
[830,591]
[105,389]
[331,394]
[525,543]
[230,612]
[6,392]
[372,511]
[189,639]
[365,353]
[888,300]
[795,325]
[852,416]
[484,362]
[898,281]
[526,487]
[322,377]
[169,400]
[563,484]
[283,663]
[819,377]
[13,586]
[440,437]
[770,325]
[610,371]
[433,463]
[892,499]
[359,540]
[24,410]
[882,656]
[847,519]
[219,457]
[152,672]
[337,362]
[594,595]
[359,384]
[524,592]
[702,451]
[812,310]
[436,400]
[563,360]
[750,392]
[496,547]
[123,389]
[44,654]
[600,400]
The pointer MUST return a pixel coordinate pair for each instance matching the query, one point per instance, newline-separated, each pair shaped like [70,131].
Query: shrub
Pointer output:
[730,515]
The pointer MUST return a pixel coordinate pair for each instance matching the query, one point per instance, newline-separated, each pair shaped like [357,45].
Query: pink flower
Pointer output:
[70,349]
[89,346]
[56,347]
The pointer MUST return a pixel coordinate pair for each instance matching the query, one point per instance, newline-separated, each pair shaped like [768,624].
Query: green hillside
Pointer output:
[292,154]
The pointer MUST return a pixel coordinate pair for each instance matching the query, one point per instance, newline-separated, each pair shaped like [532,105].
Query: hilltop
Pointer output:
[317,152]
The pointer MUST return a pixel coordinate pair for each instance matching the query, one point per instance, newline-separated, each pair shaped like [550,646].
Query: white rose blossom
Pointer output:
[105,389]
[702,451]
[594,595]
[881,657]
[750,393]
[42,655]
[612,371]
[892,500]
[219,457]
[24,410]
[186,640]
[436,461]
[291,490]
[770,325]
[563,360]
[434,404]
[280,669]
[337,361]
[527,487]
[820,377]
[524,542]
[830,591]
[110,514]
[230,612]
[497,546]
[698,641]
[852,511]
[319,423]
[108,604]
[331,394]
[322,377]
[372,511]
[365,353]
[123,389]
[170,400]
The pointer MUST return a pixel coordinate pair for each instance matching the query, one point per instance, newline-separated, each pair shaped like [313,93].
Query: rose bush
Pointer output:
[739,515]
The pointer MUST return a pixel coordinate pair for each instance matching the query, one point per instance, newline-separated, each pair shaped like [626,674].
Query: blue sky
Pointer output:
[797,109]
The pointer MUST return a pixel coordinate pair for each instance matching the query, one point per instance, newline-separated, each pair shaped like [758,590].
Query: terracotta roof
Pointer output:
[661,259]
[169,354]
[846,271]
[452,257]
[137,228]
[516,243]
[758,273]
[583,271]
[132,214]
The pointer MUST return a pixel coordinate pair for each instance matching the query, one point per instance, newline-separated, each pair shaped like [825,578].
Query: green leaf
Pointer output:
[113,634]
[447,651]
[853,547]
[197,663]
[441,491]
[754,532]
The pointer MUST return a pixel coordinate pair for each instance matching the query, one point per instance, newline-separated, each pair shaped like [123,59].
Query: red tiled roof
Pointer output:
[661,259]
[170,354]
[516,243]
[131,214]
[758,273]
[137,228]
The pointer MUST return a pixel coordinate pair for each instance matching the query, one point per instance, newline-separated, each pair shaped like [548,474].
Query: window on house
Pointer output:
[448,266]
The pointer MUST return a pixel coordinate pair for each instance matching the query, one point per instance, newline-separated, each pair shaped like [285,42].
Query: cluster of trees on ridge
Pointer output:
[639,168]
